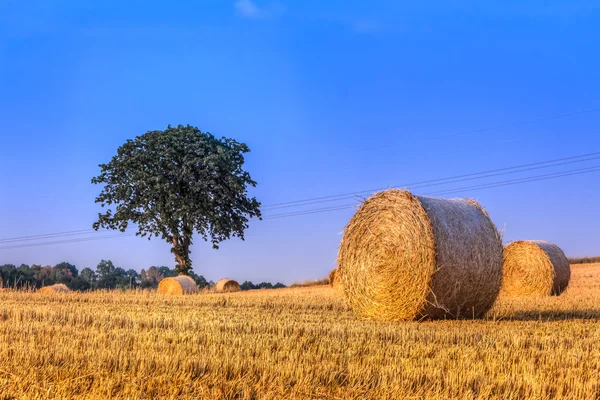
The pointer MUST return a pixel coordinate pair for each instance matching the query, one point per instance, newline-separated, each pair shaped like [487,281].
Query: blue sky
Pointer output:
[332,97]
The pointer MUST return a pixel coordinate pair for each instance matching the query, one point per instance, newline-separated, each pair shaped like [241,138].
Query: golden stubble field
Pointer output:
[294,343]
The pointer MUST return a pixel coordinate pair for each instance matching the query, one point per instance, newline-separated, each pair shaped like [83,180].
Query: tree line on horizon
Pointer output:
[105,276]
[584,260]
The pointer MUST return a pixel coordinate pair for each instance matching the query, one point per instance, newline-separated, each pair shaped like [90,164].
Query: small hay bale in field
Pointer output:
[534,268]
[334,280]
[331,277]
[178,285]
[407,257]
[227,285]
[58,288]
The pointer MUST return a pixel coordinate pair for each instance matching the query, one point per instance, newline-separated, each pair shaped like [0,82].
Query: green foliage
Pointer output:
[175,182]
[199,279]
[80,284]
[106,276]
[69,269]
[150,278]
[89,275]
[247,285]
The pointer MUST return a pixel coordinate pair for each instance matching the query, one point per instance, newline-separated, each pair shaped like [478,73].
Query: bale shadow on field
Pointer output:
[551,315]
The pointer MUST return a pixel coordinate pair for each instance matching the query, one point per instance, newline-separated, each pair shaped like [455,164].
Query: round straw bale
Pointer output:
[178,285]
[57,288]
[334,280]
[227,285]
[331,277]
[406,257]
[534,268]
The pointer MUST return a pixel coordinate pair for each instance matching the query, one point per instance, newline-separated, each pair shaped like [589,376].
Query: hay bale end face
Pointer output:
[226,285]
[534,268]
[178,285]
[407,257]
[58,288]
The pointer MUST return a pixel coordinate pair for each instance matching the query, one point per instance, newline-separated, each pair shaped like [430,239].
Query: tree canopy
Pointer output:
[177,182]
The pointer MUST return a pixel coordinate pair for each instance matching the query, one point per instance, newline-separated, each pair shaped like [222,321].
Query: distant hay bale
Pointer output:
[407,257]
[178,285]
[331,277]
[534,268]
[227,285]
[58,288]
[334,280]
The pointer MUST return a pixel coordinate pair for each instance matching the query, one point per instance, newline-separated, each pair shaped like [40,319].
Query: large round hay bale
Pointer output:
[57,288]
[406,257]
[227,285]
[534,268]
[178,285]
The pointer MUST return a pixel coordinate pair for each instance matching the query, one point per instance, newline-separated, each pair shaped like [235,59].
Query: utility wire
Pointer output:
[431,181]
[442,181]
[46,236]
[347,206]
[20,246]
[450,191]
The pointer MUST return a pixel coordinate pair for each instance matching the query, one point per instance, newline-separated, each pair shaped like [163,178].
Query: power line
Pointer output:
[20,246]
[46,236]
[441,181]
[464,133]
[422,184]
[451,191]
[509,182]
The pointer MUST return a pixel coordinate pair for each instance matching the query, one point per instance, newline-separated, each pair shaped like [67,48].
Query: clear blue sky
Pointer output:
[332,97]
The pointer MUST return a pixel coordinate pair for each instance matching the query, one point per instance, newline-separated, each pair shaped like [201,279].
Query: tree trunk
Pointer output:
[181,251]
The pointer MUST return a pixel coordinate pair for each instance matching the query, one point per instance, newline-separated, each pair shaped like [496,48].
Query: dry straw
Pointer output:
[227,285]
[58,288]
[406,257]
[534,268]
[178,285]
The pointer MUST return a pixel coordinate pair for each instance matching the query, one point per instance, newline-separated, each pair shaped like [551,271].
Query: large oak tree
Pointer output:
[176,182]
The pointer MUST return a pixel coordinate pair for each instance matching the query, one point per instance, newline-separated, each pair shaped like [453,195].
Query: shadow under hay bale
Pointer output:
[407,257]
[58,288]
[178,285]
[227,286]
[534,268]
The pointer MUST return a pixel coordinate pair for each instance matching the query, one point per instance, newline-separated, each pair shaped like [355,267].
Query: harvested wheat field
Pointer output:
[300,343]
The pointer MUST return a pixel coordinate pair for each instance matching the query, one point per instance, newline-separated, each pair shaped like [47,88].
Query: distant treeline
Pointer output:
[105,276]
[584,260]
[263,285]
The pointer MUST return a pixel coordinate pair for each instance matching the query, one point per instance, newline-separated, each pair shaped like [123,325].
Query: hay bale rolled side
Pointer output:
[534,268]
[57,288]
[226,285]
[178,285]
[407,257]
